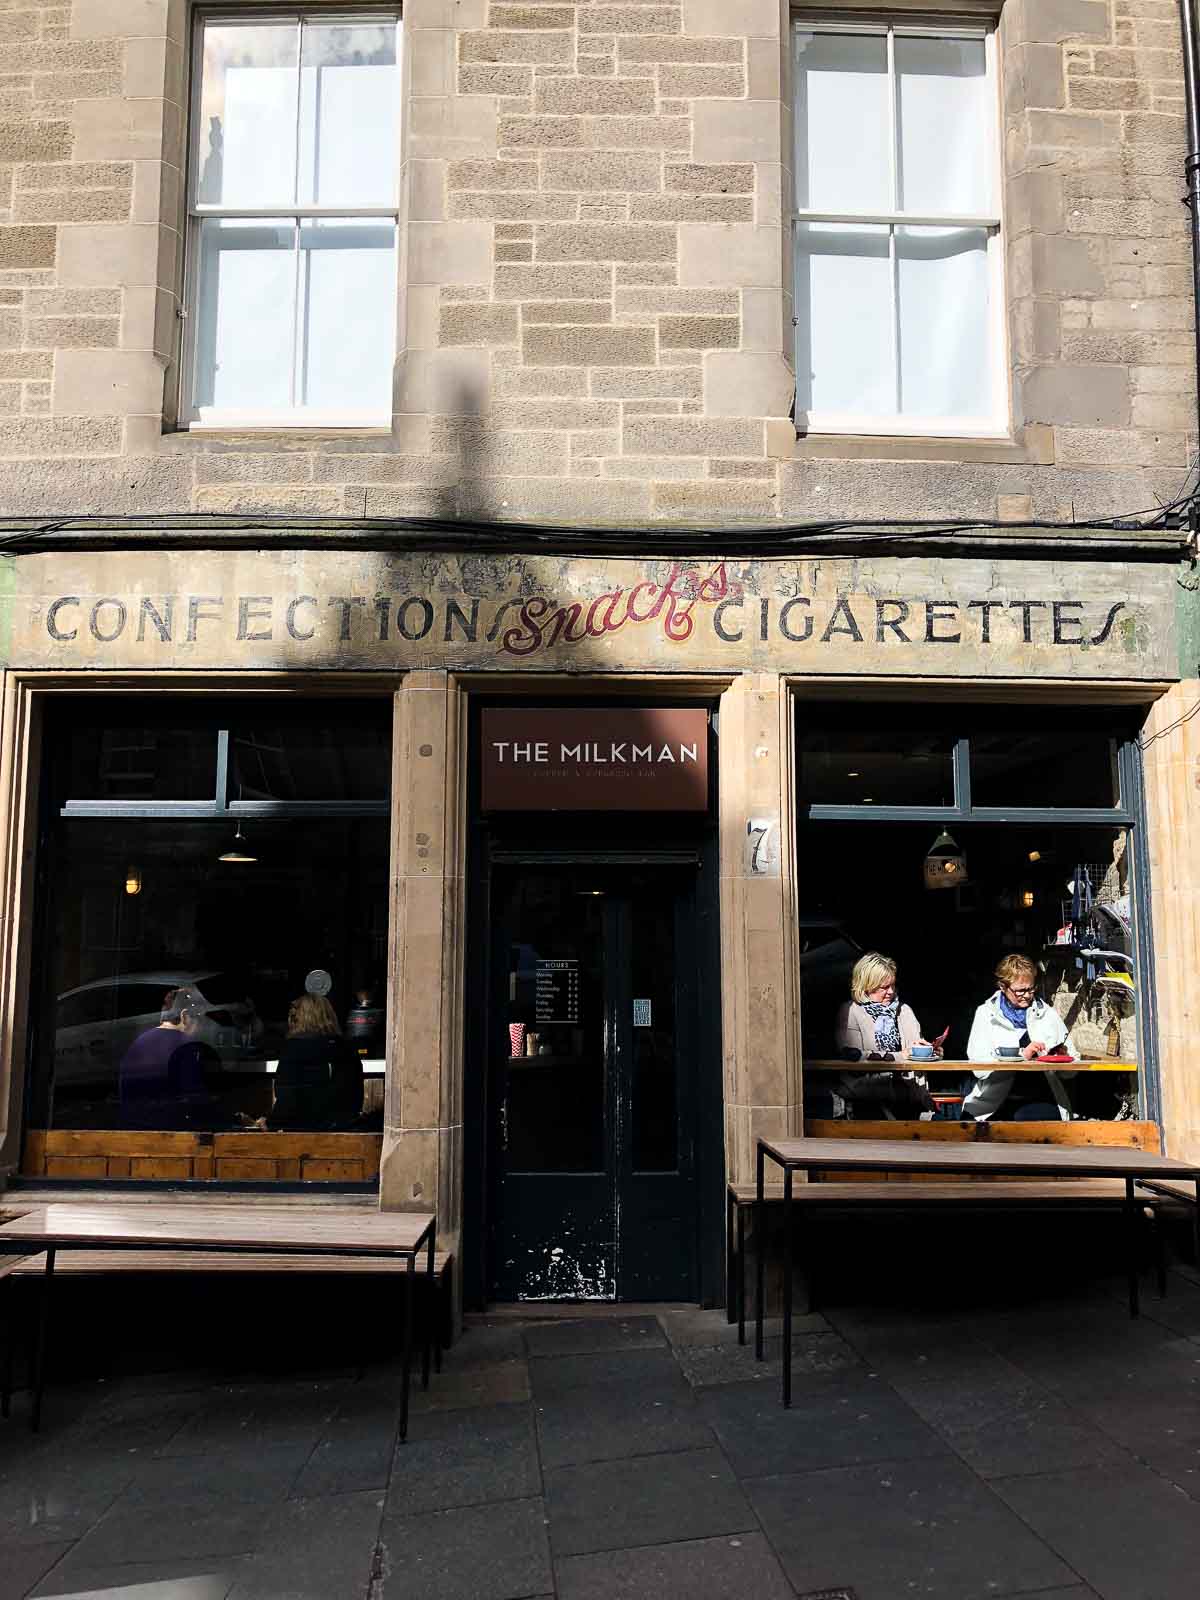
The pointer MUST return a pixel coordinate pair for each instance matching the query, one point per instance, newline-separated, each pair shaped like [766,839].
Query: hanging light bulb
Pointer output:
[133,880]
[945,864]
[238,851]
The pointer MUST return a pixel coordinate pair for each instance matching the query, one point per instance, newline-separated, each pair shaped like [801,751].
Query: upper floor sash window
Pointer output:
[898,271]
[293,182]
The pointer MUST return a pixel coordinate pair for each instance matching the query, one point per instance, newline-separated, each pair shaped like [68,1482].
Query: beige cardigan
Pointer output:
[855,1028]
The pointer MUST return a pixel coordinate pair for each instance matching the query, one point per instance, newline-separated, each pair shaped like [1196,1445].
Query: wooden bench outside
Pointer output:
[917,1194]
[82,1238]
[94,1263]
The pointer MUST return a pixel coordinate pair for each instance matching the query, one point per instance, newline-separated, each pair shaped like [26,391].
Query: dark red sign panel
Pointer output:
[638,758]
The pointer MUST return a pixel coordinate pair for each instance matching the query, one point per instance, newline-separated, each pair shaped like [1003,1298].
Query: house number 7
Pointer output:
[761,833]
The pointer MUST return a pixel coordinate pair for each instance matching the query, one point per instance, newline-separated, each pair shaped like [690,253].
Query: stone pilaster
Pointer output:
[759,965]
[1171,741]
[423,1102]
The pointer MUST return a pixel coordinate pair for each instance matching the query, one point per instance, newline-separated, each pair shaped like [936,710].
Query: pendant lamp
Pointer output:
[238,850]
[945,864]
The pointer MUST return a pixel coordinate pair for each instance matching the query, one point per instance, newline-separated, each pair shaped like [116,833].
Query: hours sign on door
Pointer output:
[556,991]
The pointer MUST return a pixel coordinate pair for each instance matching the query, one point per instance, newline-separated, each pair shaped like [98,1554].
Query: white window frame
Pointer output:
[199,418]
[996,424]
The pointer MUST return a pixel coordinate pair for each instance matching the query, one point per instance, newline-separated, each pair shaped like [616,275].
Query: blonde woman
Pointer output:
[319,1082]
[873,1023]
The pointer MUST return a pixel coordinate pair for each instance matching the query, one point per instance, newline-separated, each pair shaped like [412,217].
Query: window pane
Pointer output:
[945,128]
[348,299]
[349,95]
[554,1052]
[843,319]
[247,128]
[349,760]
[945,358]
[655,1088]
[135,762]
[895,767]
[1060,768]
[240,937]
[245,314]
[843,126]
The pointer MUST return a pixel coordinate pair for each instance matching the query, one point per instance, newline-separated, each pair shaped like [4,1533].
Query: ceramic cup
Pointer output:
[921,1052]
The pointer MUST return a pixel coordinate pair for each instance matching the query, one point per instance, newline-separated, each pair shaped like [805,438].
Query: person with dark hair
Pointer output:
[319,1081]
[161,1079]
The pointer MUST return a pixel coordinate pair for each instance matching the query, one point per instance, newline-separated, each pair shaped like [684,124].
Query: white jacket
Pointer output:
[990,1030]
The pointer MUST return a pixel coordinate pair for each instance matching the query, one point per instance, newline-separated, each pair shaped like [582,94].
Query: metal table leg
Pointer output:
[730,1296]
[787,1286]
[760,1255]
[10,1340]
[430,1312]
[39,1379]
[1131,1246]
[740,1287]
[410,1286]
[1160,1247]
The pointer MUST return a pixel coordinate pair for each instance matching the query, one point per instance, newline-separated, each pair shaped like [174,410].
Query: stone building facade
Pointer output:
[595,319]
[595,331]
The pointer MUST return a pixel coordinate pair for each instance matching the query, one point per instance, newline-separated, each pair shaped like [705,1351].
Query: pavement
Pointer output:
[1032,1446]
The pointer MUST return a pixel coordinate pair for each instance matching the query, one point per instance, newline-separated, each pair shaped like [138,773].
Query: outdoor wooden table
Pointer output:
[974,1160]
[239,1229]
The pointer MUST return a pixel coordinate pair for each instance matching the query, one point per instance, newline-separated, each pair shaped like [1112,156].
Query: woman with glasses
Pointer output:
[1016,1025]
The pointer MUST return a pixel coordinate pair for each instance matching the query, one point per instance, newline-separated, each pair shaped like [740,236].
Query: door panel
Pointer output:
[592,1195]
[556,1238]
[658,1213]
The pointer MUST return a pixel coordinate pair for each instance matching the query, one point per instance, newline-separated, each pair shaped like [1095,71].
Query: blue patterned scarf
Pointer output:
[887,1026]
[1015,1014]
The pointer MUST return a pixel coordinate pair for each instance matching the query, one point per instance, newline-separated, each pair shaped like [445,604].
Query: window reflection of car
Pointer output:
[96,1023]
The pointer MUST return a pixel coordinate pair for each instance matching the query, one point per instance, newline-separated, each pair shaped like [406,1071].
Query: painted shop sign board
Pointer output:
[632,758]
[347,610]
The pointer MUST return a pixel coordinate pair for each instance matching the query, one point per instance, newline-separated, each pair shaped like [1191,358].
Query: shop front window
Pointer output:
[214,964]
[1005,918]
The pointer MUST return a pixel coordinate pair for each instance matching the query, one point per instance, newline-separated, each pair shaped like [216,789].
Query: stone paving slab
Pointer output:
[834,1421]
[1125,1530]
[703,1569]
[135,1580]
[464,1458]
[596,1336]
[616,1505]
[645,1423]
[1049,1451]
[927,1527]
[24,1565]
[321,1549]
[496,1552]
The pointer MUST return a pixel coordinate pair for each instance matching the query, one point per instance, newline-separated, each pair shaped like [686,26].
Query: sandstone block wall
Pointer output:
[595,305]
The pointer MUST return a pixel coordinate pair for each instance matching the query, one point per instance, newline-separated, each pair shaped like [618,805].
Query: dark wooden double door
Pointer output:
[592,1049]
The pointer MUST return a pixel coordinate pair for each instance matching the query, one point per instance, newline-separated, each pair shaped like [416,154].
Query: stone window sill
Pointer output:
[1032,445]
